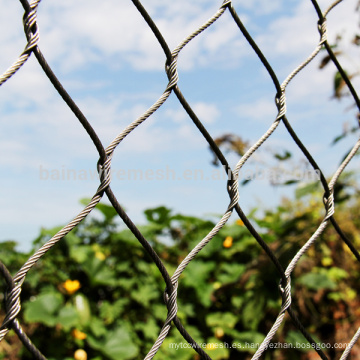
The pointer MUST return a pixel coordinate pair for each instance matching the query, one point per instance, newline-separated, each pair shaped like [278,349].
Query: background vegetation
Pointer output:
[98,295]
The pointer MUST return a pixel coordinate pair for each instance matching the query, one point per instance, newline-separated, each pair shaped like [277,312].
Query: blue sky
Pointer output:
[113,67]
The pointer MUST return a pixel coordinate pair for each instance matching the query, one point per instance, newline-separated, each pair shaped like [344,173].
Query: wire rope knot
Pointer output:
[329,205]
[233,190]
[172,73]
[285,293]
[322,27]
[225,4]
[280,101]
[31,27]
[12,305]
[104,171]
[171,303]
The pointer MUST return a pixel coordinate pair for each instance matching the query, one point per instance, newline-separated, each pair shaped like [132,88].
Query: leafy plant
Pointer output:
[99,293]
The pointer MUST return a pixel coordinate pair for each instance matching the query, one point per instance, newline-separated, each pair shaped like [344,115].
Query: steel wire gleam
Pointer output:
[12,296]
[33,39]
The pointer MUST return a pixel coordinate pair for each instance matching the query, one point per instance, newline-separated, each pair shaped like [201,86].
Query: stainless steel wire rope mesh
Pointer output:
[12,298]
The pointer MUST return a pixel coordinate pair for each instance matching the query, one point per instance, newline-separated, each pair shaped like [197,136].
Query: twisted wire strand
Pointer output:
[13,297]
[172,73]
[104,169]
[329,200]
[14,323]
[241,214]
[282,110]
[77,112]
[352,153]
[164,47]
[282,105]
[351,344]
[218,152]
[33,38]
[286,297]
[215,148]
[280,98]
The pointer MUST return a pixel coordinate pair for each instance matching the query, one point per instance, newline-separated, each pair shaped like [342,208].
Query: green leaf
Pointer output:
[82,307]
[97,327]
[217,349]
[110,311]
[282,157]
[196,276]
[43,309]
[230,272]
[149,328]
[290,182]
[253,312]
[337,274]
[68,317]
[339,84]
[159,215]
[297,339]
[306,189]
[338,138]
[107,210]
[198,272]
[99,273]
[225,320]
[80,253]
[317,281]
[175,347]
[247,341]
[116,344]
[144,294]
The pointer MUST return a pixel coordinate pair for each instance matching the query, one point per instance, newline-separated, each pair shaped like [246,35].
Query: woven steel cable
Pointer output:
[220,156]
[306,153]
[32,33]
[104,171]
[329,202]
[352,153]
[12,305]
[14,324]
[233,191]
[301,146]
[303,149]
[218,153]
[172,70]
[14,294]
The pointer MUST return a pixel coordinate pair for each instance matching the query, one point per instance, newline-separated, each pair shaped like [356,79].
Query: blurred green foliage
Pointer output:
[98,290]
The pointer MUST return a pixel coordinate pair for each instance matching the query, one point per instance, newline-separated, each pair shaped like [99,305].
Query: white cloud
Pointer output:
[297,34]
[207,113]
[79,36]
[263,110]
[114,34]
[262,7]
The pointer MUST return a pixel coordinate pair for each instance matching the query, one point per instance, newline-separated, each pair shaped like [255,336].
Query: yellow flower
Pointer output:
[80,354]
[77,334]
[326,261]
[211,346]
[239,222]
[71,286]
[219,332]
[228,242]
[216,285]
[100,255]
